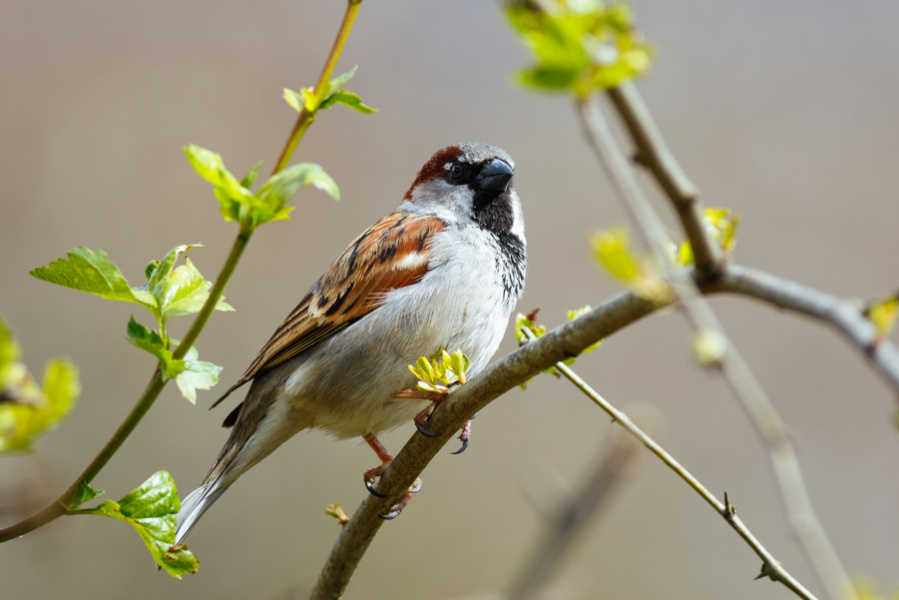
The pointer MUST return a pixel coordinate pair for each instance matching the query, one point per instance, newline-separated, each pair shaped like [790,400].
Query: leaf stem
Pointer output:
[218,288]
[306,116]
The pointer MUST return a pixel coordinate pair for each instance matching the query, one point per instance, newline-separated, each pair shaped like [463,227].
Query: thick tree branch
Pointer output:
[526,362]
[563,342]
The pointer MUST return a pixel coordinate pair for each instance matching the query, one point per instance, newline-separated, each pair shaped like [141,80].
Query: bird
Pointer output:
[443,271]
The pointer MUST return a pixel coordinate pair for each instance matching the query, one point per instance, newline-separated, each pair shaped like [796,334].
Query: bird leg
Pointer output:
[436,399]
[371,475]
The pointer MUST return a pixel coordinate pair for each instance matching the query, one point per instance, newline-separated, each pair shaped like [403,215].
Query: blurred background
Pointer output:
[783,111]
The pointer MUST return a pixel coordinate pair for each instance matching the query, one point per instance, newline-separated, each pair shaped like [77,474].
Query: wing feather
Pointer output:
[392,253]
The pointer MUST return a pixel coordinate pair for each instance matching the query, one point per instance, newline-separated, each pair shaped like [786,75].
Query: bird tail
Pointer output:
[196,503]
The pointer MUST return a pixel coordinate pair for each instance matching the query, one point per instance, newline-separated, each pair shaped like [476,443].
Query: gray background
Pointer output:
[784,111]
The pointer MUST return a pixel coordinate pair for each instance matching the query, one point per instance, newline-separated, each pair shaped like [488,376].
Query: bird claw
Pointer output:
[462,449]
[465,436]
[370,486]
[397,508]
[422,430]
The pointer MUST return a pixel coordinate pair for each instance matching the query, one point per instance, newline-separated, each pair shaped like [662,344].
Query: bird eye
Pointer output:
[456,171]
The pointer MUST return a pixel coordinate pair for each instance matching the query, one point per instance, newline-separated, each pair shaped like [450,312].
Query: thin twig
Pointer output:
[63,504]
[843,315]
[306,117]
[736,372]
[772,568]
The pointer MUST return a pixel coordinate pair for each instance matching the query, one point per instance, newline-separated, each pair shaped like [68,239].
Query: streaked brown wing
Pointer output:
[391,254]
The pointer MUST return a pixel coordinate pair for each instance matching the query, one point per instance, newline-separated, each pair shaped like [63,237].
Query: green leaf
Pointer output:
[612,250]
[197,374]
[278,190]
[232,196]
[574,314]
[84,493]
[10,351]
[152,342]
[547,78]
[151,509]
[180,291]
[438,373]
[528,323]
[250,178]
[88,271]
[339,81]
[721,224]
[27,410]
[294,99]
[883,314]
[349,99]
[237,203]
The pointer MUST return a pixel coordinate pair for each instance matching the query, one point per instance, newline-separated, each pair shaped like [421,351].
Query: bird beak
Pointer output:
[495,176]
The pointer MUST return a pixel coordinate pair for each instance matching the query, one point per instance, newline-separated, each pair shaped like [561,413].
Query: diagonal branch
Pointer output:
[561,343]
[652,152]
[843,315]
[736,373]
[522,364]
[770,566]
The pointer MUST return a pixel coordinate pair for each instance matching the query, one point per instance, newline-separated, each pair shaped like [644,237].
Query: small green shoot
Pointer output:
[721,224]
[883,313]
[331,94]
[170,291]
[437,374]
[529,322]
[238,203]
[612,249]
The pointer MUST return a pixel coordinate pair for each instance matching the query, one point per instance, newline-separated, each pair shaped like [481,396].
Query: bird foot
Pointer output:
[372,475]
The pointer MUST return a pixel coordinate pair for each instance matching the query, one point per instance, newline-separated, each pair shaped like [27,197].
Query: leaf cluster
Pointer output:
[332,93]
[250,210]
[438,373]
[26,409]
[170,291]
[529,322]
[578,46]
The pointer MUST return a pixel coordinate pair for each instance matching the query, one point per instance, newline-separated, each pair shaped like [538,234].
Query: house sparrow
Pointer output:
[442,272]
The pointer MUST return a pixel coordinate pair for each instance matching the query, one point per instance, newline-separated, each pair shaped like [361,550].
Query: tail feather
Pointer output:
[195,504]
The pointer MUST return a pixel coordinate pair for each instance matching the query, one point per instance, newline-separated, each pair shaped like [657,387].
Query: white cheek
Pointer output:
[518,220]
